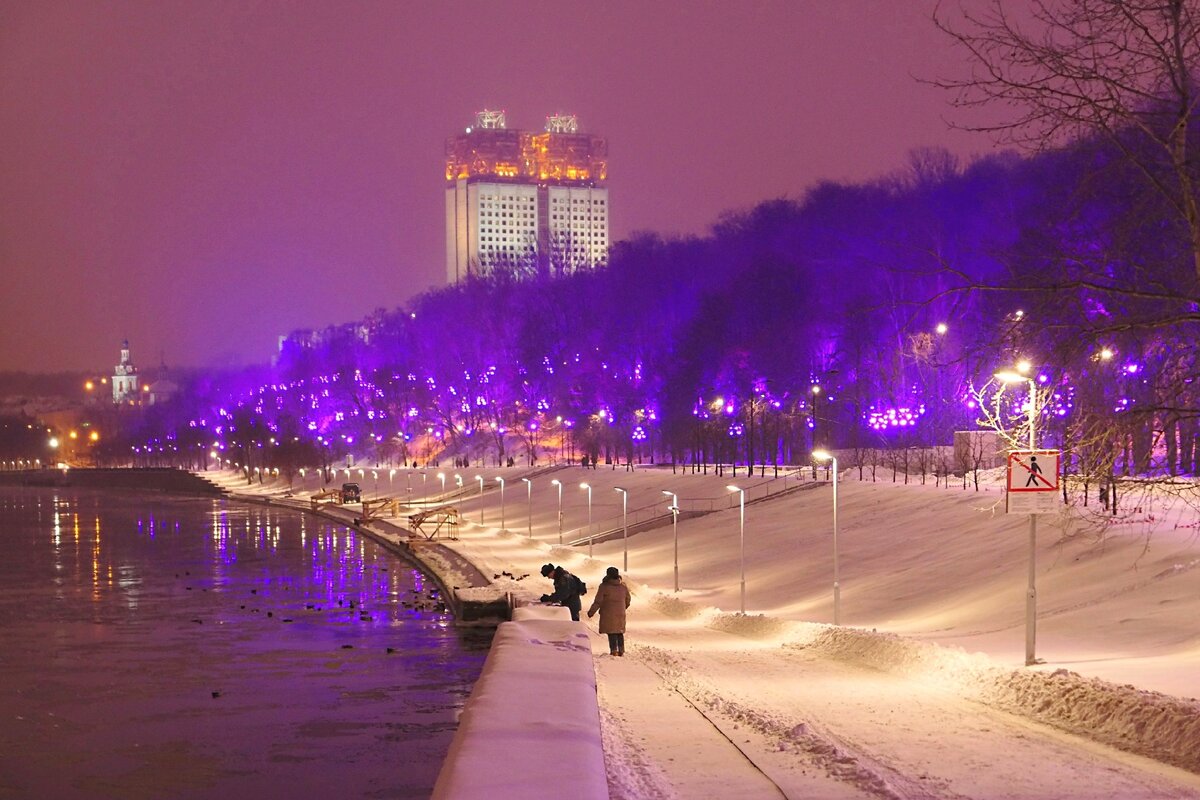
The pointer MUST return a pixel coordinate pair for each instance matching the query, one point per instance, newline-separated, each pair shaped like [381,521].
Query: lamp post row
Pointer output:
[674,508]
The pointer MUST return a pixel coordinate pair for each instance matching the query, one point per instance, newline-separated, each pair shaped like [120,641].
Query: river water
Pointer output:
[163,647]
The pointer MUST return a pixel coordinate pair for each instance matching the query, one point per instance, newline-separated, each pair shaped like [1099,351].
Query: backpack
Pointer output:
[580,586]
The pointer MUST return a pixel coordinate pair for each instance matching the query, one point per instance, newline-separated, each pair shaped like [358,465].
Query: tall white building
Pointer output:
[523,201]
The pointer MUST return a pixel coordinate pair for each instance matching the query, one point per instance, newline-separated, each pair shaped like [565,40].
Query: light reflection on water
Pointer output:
[154,646]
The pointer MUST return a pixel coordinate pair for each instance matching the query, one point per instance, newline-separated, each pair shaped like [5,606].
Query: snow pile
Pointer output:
[531,727]
[1147,723]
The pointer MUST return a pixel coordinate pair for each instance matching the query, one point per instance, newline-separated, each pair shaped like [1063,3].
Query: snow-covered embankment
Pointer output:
[532,722]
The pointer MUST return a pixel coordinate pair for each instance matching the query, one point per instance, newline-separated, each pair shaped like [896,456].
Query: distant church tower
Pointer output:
[125,378]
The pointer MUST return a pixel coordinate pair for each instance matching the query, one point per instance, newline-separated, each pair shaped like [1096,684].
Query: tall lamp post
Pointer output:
[624,524]
[480,479]
[675,531]
[588,486]
[742,528]
[558,483]
[501,481]
[1018,375]
[442,478]
[825,455]
[528,506]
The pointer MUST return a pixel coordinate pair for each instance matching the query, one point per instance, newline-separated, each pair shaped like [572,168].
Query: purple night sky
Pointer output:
[202,177]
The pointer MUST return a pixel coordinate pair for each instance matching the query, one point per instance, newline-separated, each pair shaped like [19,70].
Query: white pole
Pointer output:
[558,483]
[837,590]
[742,537]
[675,532]
[529,507]
[588,486]
[501,481]
[480,479]
[742,526]
[624,525]
[1031,593]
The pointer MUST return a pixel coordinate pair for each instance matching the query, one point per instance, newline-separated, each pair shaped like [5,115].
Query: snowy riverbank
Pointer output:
[932,596]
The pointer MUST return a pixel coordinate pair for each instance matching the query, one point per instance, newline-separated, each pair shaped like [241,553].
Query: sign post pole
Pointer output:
[1031,597]
[1032,489]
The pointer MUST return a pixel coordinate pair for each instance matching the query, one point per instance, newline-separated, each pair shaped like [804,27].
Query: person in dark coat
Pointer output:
[612,598]
[566,592]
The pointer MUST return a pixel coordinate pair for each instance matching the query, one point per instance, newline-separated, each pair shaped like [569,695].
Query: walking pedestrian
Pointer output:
[612,598]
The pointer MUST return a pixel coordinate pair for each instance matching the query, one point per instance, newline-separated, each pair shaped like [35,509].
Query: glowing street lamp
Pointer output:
[674,509]
[529,506]
[825,455]
[624,524]
[501,481]
[588,486]
[558,483]
[742,536]
[1017,376]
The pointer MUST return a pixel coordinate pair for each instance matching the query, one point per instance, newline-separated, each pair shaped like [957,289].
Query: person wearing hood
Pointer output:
[612,598]
[566,589]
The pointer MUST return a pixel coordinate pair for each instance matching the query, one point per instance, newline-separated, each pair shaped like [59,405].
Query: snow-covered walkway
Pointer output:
[921,692]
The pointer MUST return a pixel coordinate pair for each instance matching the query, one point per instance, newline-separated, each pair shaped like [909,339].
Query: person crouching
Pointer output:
[566,589]
[612,598]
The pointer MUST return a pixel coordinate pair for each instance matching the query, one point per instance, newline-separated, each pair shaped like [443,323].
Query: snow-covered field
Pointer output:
[921,692]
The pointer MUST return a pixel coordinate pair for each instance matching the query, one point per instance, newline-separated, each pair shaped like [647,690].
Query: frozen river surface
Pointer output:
[158,647]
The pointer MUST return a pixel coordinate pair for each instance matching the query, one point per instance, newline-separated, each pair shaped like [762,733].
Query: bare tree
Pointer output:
[1104,68]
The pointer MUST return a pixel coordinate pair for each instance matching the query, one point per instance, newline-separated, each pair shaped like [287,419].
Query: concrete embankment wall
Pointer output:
[531,727]
[145,480]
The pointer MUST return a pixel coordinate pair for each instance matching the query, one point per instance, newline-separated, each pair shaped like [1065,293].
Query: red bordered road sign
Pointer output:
[1033,471]
[1032,481]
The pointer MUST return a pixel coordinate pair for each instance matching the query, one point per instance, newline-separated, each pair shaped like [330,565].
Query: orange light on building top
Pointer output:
[89,385]
[94,436]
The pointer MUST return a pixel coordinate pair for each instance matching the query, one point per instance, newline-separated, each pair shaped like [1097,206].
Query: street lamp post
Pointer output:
[442,478]
[480,479]
[825,455]
[1017,376]
[558,483]
[742,536]
[588,486]
[675,531]
[501,481]
[624,524]
[528,507]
